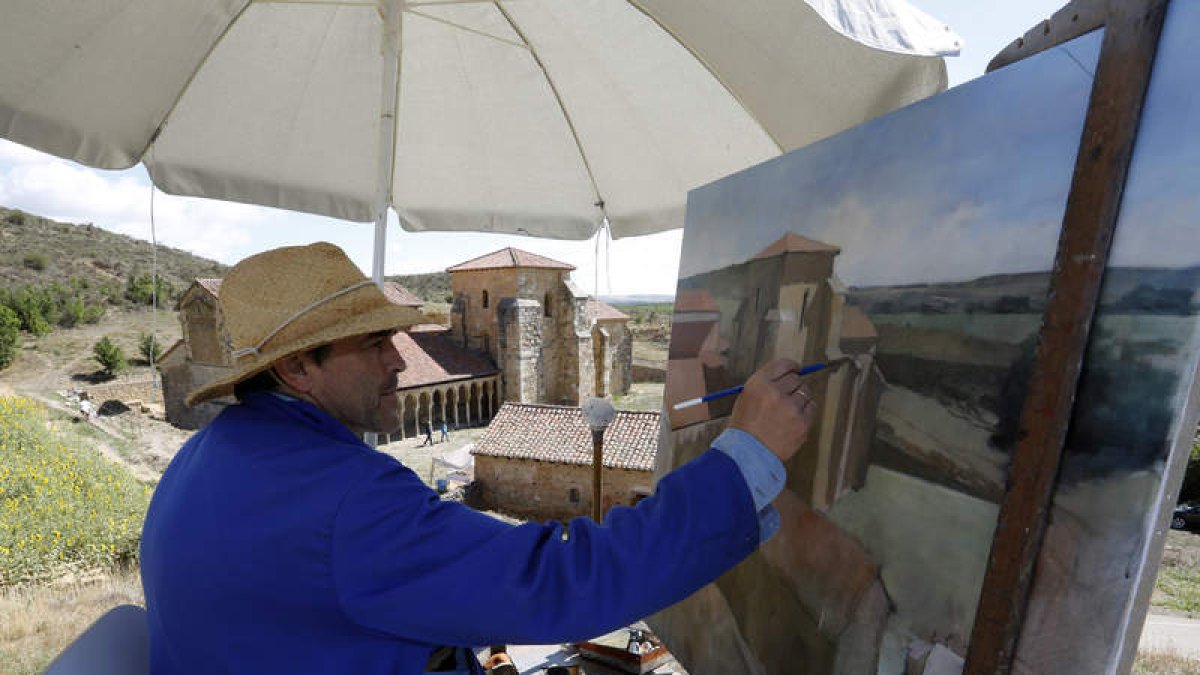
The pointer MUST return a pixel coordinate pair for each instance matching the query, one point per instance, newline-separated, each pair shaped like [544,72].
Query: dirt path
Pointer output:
[48,367]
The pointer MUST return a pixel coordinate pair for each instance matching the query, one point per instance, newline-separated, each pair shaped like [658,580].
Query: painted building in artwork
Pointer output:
[785,301]
[535,461]
[551,342]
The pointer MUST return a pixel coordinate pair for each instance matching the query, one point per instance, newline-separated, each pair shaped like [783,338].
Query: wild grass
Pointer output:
[63,510]
[37,621]
[1182,590]
[1164,663]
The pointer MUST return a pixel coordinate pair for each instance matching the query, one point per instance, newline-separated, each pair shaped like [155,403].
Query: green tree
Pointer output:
[27,304]
[1190,491]
[140,289]
[149,347]
[10,332]
[110,356]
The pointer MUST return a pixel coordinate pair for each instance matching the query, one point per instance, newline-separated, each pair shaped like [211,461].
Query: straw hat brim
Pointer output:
[380,318]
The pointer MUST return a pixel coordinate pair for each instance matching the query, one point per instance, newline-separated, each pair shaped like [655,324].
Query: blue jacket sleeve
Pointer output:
[409,565]
[764,474]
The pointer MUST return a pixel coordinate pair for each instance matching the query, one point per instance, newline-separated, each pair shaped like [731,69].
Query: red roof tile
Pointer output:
[509,257]
[400,295]
[428,328]
[211,285]
[430,358]
[598,309]
[559,434]
[794,243]
[695,300]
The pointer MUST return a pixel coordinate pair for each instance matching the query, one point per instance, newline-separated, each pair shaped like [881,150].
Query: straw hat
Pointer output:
[292,299]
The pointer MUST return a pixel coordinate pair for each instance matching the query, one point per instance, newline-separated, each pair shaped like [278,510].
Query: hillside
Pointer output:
[38,252]
[430,287]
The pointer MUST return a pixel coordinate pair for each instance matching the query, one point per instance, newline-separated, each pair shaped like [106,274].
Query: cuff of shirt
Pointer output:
[763,472]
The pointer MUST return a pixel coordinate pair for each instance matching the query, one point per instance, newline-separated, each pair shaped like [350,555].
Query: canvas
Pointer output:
[913,256]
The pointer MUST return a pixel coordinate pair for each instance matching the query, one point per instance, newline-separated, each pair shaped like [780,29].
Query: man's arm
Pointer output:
[409,565]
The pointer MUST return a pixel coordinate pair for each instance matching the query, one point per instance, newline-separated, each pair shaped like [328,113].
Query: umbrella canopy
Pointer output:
[541,117]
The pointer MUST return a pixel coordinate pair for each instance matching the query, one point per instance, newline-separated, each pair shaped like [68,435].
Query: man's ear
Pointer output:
[295,372]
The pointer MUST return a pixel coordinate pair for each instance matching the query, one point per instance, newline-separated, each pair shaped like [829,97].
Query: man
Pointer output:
[278,542]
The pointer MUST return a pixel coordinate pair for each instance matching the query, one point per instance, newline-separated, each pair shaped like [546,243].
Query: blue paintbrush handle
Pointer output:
[732,391]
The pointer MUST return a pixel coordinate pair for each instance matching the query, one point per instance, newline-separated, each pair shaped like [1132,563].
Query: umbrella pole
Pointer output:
[388,94]
[388,103]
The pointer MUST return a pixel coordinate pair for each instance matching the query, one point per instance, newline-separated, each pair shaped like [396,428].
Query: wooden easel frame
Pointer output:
[1131,37]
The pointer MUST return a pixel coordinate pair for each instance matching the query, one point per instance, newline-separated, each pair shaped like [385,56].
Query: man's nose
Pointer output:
[392,357]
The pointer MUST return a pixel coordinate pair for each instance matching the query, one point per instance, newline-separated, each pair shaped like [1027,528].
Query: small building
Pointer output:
[551,342]
[535,461]
[202,354]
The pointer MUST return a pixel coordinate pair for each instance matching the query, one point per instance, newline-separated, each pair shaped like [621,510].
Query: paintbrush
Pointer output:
[733,391]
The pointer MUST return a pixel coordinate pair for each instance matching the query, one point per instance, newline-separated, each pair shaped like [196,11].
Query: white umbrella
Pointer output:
[541,117]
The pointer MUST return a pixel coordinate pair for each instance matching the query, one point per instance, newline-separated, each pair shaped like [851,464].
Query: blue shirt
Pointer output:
[278,542]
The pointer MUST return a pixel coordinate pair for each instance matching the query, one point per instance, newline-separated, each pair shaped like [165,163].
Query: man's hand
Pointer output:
[776,408]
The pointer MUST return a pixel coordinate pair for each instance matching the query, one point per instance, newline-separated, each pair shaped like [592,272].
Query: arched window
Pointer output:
[485,300]
[546,305]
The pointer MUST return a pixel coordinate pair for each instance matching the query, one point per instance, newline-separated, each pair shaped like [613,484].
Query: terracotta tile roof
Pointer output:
[400,295]
[428,328]
[211,285]
[559,434]
[431,358]
[794,243]
[695,300]
[598,309]
[509,257]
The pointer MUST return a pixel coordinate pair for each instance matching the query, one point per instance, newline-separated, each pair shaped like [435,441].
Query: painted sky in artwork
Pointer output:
[967,184]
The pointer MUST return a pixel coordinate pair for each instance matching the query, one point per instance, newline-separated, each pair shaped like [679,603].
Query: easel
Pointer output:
[1132,31]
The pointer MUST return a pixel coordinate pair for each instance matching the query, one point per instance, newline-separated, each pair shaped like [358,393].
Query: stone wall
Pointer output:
[126,391]
[550,491]
[519,349]
[178,381]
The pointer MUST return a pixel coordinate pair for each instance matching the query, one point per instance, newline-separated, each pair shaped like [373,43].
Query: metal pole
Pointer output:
[599,413]
[597,469]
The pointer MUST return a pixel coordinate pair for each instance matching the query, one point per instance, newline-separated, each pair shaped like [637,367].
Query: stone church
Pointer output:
[520,332]
[551,342]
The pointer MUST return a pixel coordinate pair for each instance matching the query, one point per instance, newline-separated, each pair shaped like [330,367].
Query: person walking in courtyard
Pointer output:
[428,433]
[445,432]
[277,541]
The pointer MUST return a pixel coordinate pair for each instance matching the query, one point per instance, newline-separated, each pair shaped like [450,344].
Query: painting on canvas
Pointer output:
[912,255]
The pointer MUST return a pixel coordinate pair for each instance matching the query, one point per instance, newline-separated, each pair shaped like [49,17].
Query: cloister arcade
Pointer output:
[461,403]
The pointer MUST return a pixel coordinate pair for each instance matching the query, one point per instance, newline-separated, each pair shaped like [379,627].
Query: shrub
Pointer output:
[61,508]
[149,347]
[1190,490]
[72,313]
[93,313]
[15,217]
[28,305]
[10,333]
[110,357]
[34,261]
[140,289]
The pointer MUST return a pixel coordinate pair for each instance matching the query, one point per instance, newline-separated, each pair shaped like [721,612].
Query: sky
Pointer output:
[120,200]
